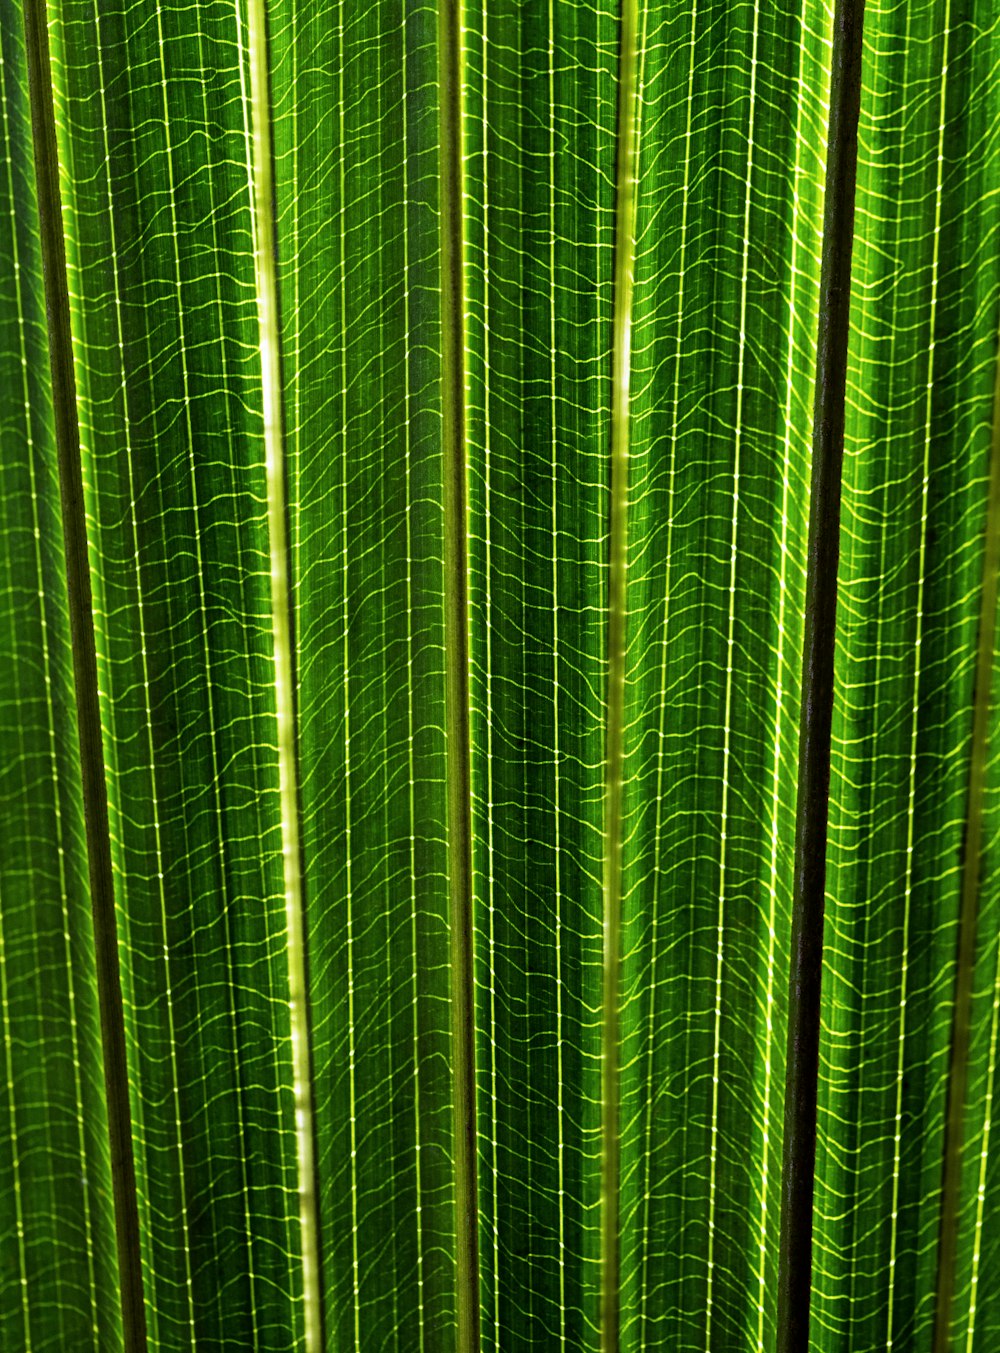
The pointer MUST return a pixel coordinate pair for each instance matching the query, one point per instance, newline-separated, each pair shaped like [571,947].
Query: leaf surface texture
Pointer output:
[217,799]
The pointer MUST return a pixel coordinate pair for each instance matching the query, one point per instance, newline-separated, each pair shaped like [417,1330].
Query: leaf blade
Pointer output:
[159,245]
[58,1276]
[911,571]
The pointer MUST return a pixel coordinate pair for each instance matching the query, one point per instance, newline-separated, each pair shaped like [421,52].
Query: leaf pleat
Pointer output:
[919,422]
[975,1314]
[540,162]
[58,1278]
[729,216]
[155,154]
[161,115]
[356,111]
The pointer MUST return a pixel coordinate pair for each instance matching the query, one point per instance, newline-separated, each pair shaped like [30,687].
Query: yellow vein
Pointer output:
[888,488]
[556,804]
[627,156]
[451,45]
[651,1044]
[242,572]
[345,664]
[295,375]
[265,261]
[388,334]
[779,691]
[421,1317]
[533,1167]
[487,508]
[345,668]
[915,690]
[730,645]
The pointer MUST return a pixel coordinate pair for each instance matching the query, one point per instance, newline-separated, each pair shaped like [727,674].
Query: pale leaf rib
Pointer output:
[455,521]
[647,1141]
[727,712]
[630,94]
[260,171]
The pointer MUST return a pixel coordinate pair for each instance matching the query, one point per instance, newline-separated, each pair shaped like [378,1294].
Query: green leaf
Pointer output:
[155,151]
[923,354]
[58,1281]
[730,209]
[446,379]
[357,164]
[539,146]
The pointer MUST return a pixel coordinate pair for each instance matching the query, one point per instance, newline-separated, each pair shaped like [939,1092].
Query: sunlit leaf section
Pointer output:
[733,110]
[152,106]
[357,165]
[925,289]
[58,1278]
[540,99]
